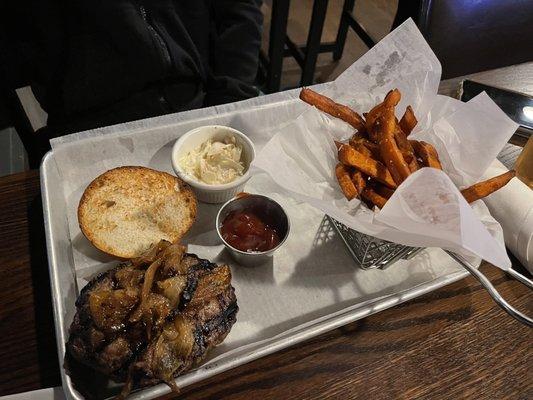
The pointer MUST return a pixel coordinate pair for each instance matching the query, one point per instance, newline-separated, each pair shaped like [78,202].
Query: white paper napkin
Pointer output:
[513,207]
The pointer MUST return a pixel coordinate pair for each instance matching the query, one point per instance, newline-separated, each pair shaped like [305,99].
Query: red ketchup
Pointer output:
[246,231]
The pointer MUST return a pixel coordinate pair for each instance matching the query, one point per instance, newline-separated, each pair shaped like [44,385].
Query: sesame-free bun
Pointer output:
[126,210]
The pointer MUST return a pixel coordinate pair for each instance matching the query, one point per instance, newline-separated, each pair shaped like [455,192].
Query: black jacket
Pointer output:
[102,62]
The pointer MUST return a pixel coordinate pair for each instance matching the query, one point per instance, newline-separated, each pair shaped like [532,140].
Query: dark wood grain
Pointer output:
[27,341]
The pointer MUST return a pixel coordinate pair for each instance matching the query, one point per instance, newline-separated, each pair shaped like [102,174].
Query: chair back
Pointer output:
[475,35]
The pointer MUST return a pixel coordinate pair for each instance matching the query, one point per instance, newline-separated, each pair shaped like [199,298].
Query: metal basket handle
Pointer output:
[492,290]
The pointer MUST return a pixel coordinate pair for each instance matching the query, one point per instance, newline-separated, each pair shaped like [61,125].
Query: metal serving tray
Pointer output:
[314,264]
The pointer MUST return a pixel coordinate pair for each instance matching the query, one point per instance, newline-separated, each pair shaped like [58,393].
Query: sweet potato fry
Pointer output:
[374,130]
[391,100]
[383,191]
[379,156]
[362,145]
[345,182]
[374,149]
[484,188]
[427,153]
[408,121]
[359,180]
[373,168]
[406,149]
[413,165]
[362,149]
[366,147]
[390,153]
[337,110]
[356,137]
[372,197]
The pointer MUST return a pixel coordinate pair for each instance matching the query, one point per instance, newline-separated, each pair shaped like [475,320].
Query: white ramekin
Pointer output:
[193,139]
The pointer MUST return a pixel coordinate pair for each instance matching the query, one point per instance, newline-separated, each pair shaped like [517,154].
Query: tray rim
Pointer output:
[275,344]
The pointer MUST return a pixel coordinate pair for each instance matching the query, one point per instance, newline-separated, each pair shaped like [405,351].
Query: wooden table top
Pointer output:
[453,343]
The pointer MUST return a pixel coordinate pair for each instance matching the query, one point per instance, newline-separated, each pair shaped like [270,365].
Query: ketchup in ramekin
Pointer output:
[247,230]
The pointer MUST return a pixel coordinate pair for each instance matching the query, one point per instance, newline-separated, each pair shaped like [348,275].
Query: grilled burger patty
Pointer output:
[154,317]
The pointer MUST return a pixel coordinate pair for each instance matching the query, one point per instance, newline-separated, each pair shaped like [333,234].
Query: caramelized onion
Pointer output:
[109,308]
[147,287]
[150,256]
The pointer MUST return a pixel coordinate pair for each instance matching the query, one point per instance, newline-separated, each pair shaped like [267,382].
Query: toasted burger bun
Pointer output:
[124,211]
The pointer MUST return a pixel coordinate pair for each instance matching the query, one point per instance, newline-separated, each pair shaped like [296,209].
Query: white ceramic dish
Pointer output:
[192,140]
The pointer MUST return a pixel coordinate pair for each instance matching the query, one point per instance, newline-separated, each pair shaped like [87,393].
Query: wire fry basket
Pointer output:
[370,252]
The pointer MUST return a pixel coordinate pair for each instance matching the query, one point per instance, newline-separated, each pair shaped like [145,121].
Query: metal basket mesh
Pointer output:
[370,252]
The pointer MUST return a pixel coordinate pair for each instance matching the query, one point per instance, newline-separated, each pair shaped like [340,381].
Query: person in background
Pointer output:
[106,62]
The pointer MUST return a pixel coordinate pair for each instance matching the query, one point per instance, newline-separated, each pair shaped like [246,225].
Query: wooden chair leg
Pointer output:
[343,29]
[276,46]
[313,41]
